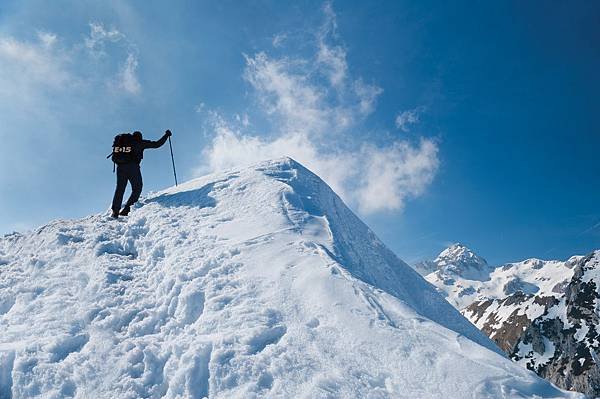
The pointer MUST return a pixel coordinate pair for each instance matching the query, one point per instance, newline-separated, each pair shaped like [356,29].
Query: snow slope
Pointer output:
[251,283]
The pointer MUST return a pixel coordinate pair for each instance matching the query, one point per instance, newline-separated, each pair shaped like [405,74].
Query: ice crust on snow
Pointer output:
[256,282]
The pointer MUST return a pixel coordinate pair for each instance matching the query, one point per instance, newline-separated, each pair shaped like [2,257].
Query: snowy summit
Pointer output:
[456,261]
[256,282]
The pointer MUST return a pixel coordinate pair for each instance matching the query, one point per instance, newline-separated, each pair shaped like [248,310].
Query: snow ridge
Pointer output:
[256,282]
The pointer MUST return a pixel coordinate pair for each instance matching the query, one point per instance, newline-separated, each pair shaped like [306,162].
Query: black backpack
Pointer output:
[123,149]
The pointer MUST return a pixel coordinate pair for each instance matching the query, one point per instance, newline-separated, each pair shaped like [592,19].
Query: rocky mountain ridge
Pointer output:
[542,314]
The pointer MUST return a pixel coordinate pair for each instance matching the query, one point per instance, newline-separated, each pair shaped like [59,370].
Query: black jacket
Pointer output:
[140,146]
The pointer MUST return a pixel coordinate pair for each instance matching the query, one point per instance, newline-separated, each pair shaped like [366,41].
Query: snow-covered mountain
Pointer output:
[457,262]
[464,277]
[543,314]
[256,282]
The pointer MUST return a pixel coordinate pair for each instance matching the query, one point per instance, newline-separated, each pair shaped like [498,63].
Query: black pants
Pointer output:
[127,173]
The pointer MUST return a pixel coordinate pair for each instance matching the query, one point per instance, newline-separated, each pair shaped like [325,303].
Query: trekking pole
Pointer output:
[173,161]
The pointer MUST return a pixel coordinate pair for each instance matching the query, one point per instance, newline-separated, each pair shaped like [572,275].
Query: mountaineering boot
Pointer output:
[115,214]
[125,211]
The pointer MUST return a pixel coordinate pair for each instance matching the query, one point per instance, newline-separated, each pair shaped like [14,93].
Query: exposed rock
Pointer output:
[517,284]
[545,315]
[558,337]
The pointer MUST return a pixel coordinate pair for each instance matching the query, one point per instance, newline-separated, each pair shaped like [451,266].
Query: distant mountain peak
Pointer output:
[456,260]
[459,260]
[460,253]
[542,313]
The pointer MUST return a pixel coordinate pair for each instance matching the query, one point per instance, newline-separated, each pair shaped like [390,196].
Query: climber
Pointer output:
[128,152]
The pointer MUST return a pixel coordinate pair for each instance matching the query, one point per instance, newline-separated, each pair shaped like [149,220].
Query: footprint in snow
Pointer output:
[266,337]
[117,248]
[63,347]
[64,238]
[191,305]
[6,304]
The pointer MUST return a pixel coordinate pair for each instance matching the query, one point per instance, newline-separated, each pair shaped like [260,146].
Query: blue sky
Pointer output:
[437,123]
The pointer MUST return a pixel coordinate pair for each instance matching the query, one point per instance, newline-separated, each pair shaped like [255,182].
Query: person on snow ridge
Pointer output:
[128,158]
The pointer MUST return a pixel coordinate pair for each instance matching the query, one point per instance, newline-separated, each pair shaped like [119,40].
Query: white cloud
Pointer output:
[278,39]
[367,96]
[243,119]
[96,44]
[314,104]
[47,38]
[286,94]
[329,26]
[99,36]
[200,107]
[35,70]
[371,178]
[331,57]
[333,61]
[409,117]
[127,78]
[395,173]
[230,148]
[293,92]
[28,67]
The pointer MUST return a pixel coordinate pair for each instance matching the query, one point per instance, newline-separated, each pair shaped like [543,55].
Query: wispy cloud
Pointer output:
[127,78]
[31,68]
[97,44]
[45,81]
[32,72]
[284,91]
[331,57]
[99,35]
[48,39]
[590,229]
[27,63]
[367,96]
[315,103]
[278,39]
[405,119]
[395,173]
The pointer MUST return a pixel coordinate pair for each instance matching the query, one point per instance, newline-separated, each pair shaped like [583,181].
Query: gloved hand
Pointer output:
[168,133]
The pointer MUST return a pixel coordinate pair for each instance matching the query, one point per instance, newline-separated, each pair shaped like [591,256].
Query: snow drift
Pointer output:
[257,282]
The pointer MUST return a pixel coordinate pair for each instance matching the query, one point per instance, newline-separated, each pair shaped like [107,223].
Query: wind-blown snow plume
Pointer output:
[317,108]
